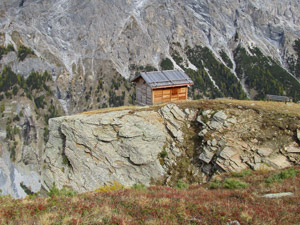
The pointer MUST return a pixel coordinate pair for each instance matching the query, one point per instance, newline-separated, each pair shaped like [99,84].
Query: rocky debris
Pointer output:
[199,120]
[264,151]
[222,146]
[216,120]
[298,134]
[206,156]
[278,162]
[175,118]
[29,156]
[191,114]
[278,195]
[12,175]
[220,116]
[202,133]
[176,151]
[293,148]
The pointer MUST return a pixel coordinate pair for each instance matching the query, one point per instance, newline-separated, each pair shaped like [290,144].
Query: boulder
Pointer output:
[206,156]
[278,162]
[215,125]
[293,148]
[176,133]
[278,195]
[232,120]
[199,120]
[265,151]
[177,113]
[220,116]
[257,159]
[214,142]
[207,113]
[191,114]
[298,134]
[202,133]
[87,151]
[227,152]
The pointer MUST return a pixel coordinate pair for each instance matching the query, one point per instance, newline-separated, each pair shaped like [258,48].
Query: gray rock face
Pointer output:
[264,151]
[12,176]
[87,151]
[220,116]
[174,117]
[278,162]
[206,156]
[294,148]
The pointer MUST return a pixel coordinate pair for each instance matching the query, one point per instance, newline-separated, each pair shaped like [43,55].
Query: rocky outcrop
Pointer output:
[143,145]
[85,151]
[235,139]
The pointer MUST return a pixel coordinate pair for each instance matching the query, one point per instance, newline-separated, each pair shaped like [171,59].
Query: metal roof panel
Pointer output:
[166,78]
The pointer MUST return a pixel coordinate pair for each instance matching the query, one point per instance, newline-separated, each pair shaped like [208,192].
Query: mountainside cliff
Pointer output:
[82,42]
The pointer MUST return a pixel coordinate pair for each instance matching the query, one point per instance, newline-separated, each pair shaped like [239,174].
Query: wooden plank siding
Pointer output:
[143,93]
[139,85]
[149,96]
[169,94]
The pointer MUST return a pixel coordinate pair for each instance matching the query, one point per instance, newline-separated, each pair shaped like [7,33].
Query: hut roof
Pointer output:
[167,78]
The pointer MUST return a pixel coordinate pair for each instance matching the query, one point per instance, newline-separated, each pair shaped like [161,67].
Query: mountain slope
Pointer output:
[80,40]
[88,49]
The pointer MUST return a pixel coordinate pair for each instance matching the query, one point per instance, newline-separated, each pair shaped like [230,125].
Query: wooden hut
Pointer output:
[161,86]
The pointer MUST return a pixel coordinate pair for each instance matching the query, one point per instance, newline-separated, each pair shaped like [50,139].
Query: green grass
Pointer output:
[215,184]
[283,175]
[138,187]
[234,184]
[243,173]
[181,185]
[54,191]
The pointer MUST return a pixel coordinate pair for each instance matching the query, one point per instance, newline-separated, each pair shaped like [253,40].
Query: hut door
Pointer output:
[166,95]
[174,96]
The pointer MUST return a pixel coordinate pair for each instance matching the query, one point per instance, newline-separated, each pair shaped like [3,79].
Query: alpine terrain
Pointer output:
[64,57]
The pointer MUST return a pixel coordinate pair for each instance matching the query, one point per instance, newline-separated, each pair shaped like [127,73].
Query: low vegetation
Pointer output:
[4,50]
[264,75]
[231,200]
[226,59]
[23,52]
[166,64]
[225,80]
[36,88]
